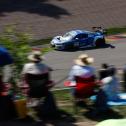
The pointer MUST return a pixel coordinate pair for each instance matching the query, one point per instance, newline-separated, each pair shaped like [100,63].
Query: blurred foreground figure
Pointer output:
[108,91]
[104,71]
[82,78]
[111,85]
[37,77]
[7,108]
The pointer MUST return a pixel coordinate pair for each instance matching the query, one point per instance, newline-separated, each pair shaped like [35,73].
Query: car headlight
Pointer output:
[52,42]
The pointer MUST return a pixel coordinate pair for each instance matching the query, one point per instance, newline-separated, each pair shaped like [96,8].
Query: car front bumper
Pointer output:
[58,46]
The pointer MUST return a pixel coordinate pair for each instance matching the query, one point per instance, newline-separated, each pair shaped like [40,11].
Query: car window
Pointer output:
[67,35]
[81,36]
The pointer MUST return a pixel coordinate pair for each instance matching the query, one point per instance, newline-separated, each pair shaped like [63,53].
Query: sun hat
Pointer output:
[84,60]
[35,56]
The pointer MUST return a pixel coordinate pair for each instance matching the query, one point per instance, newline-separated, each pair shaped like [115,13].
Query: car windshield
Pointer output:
[68,34]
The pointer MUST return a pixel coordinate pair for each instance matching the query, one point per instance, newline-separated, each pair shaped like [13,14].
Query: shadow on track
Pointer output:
[41,7]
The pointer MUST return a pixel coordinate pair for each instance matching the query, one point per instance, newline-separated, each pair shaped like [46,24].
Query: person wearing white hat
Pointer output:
[36,76]
[82,76]
[82,67]
[35,66]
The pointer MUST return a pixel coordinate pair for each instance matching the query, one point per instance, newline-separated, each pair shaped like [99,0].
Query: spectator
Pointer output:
[109,90]
[35,68]
[7,107]
[37,76]
[5,67]
[104,71]
[111,85]
[82,77]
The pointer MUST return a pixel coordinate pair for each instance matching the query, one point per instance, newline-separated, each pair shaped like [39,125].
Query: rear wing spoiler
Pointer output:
[99,29]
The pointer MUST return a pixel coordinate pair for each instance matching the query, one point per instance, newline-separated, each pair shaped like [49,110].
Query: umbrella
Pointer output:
[5,57]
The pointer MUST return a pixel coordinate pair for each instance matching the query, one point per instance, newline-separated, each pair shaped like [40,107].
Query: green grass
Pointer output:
[111,31]
[62,95]
[40,41]
[45,48]
[65,103]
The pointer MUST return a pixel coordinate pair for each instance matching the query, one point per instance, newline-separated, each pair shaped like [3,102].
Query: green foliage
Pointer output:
[62,95]
[18,45]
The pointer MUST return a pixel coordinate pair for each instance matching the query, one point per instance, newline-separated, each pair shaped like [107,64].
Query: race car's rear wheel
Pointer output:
[100,43]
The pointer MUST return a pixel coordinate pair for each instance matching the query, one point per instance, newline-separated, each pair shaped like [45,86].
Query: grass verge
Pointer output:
[111,31]
[65,102]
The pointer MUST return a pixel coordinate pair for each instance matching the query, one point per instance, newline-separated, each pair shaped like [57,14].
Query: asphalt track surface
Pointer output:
[62,61]
[45,18]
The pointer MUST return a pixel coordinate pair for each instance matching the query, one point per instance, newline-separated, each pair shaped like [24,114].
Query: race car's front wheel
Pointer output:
[52,45]
[100,43]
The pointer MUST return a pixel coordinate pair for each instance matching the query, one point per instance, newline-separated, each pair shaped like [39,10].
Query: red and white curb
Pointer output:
[113,38]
